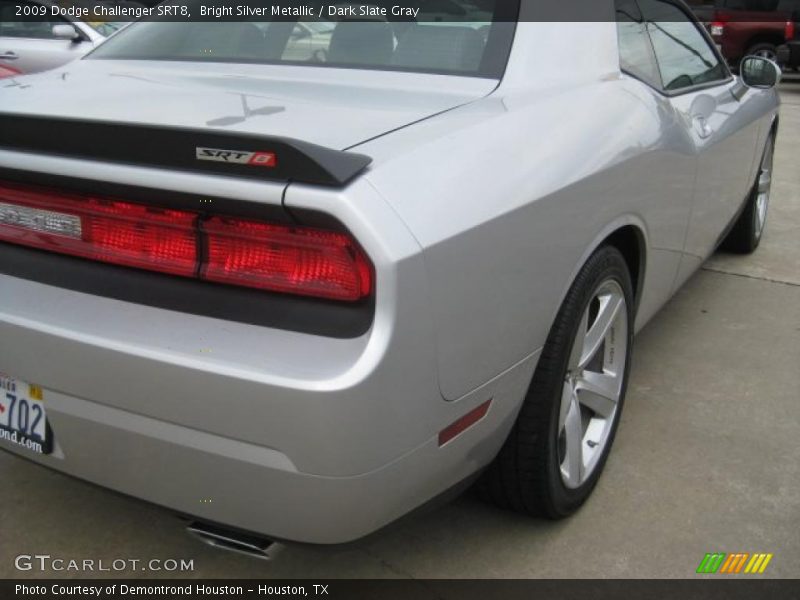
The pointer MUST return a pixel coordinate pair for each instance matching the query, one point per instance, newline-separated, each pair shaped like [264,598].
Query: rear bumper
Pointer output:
[285,434]
[252,487]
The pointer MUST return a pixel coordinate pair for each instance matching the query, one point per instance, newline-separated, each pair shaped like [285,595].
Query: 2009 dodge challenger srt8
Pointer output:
[323,289]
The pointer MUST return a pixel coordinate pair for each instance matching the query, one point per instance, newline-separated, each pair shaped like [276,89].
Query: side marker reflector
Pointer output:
[464,423]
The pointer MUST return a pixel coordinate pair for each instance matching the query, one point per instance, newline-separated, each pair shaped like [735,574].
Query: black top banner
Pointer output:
[420,11]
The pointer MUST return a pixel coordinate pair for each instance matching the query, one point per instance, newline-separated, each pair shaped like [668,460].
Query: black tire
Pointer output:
[746,233]
[526,475]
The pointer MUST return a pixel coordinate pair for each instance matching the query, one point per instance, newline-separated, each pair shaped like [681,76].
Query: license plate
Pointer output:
[23,419]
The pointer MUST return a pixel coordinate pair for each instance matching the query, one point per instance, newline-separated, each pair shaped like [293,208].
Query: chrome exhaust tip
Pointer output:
[233,541]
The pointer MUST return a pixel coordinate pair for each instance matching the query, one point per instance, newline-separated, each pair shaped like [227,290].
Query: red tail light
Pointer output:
[267,256]
[790,30]
[104,230]
[284,259]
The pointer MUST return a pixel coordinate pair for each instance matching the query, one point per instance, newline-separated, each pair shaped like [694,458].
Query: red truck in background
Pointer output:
[749,27]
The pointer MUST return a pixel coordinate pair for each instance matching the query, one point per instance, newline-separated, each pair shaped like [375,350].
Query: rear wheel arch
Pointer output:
[630,241]
[628,234]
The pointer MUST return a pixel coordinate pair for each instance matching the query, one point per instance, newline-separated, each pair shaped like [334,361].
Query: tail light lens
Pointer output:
[109,231]
[717,28]
[256,254]
[790,30]
[284,259]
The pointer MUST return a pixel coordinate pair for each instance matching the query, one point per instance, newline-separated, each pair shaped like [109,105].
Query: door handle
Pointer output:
[702,127]
[9,56]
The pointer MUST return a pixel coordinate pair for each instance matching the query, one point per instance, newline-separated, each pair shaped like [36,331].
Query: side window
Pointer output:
[685,58]
[31,25]
[635,50]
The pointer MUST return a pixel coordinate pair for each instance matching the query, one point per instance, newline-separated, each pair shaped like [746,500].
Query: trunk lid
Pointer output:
[334,108]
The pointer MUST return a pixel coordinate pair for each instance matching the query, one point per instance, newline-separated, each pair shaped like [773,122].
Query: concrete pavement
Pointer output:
[707,457]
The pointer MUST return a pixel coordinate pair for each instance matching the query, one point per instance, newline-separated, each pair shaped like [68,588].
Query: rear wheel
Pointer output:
[746,234]
[558,446]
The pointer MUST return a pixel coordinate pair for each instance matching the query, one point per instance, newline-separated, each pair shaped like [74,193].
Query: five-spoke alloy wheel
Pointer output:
[593,384]
[558,446]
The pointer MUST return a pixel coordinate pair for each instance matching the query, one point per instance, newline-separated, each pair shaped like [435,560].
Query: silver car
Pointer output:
[300,299]
[32,39]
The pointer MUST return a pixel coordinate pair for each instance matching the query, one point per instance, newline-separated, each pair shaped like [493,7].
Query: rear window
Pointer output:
[446,36]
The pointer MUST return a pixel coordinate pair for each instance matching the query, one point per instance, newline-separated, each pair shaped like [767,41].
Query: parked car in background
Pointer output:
[38,42]
[750,27]
[323,294]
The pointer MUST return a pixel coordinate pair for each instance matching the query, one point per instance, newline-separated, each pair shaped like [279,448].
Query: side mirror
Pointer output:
[62,31]
[761,73]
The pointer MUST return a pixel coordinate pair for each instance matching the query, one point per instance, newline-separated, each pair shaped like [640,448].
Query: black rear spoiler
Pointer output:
[198,150]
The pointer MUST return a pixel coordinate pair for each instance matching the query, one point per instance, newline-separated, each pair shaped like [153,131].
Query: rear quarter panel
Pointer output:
[510,195]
